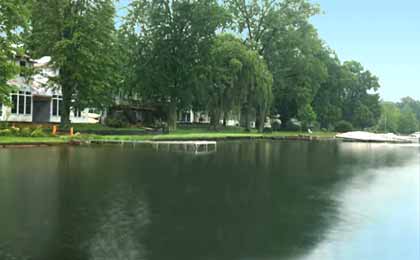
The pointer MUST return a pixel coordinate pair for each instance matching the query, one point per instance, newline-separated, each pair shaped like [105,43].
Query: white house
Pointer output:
[35,101]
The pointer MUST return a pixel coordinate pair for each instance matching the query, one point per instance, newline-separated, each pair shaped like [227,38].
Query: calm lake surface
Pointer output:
[247,201]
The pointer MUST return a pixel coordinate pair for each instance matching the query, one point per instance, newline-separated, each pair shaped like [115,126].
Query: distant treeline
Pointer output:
[401,117]
[233,57]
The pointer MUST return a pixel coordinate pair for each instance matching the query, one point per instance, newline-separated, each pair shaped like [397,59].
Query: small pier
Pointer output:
[196,147]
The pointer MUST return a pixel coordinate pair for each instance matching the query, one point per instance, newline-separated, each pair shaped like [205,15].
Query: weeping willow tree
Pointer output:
[173,40]
[238,78]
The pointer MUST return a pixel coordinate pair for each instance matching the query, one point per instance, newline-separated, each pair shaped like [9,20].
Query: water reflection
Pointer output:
[249,200]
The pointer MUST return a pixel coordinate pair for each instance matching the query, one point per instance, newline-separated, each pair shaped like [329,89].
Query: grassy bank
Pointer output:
[4,140]
[182,134]
[201,134]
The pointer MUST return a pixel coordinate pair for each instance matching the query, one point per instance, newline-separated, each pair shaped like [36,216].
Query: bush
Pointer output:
[315,126]
[38,132]
[276,125]
[5,132]
[292,126]
[343,126]
[4,125]
[14,131]
[25,132]
[267,130]
[117,122]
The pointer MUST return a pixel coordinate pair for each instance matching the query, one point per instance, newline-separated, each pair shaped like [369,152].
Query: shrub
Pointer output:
[5,132]
[292,126]
[14,131]
[276,125]
[315,126]
[267,130]
[343,126]
[38,132]
[4,125]
[25,132]
[117,122]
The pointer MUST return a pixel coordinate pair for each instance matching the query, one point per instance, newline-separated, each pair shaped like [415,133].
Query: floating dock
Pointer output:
[196,147]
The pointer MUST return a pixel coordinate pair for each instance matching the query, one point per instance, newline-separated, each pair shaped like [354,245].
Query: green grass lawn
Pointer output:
[181,134]
[32,140]
[200,135]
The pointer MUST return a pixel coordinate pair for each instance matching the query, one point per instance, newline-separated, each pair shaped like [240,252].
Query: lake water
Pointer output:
[246,201]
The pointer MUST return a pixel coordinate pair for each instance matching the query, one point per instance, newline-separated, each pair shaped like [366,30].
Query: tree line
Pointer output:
[400,117]
[252,58]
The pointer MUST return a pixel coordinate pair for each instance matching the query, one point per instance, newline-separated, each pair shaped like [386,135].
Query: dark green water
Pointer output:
[247,201]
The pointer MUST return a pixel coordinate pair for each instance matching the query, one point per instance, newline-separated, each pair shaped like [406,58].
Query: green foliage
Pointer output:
[79,35]
[117,122]
[172,41]
[307,115]
[5,132]
[23,132]
[276,125]
[292,125]
[390,118]
[237,78]
[408,123]
[402,117]
[343,126]
[176,55]
[13,21]
[38,132]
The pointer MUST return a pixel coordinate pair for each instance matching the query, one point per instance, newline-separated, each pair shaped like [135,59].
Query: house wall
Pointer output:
[7,116]
[84,119]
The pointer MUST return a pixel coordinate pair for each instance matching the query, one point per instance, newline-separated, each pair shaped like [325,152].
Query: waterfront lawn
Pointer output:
[200,134]
[33,140]
[181,134]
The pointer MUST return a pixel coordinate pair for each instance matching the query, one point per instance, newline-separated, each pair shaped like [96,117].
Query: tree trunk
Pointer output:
[259,124]
[215,118]
[172,116]
[247,119]
[225,118]
[65,106]
[260,119]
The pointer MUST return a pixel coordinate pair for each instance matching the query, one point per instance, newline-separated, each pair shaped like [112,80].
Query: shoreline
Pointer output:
[27,142]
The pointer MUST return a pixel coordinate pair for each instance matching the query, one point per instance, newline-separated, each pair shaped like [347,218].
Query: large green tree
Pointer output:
[390,118]
[282,33]
[238,78]
[361,105]
[79,35]
[174,41]
[13,21]
[408,123]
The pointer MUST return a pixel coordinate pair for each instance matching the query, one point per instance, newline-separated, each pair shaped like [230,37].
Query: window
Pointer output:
[14,103]
[28,102]
[56,102]
[21,103]
[77,112]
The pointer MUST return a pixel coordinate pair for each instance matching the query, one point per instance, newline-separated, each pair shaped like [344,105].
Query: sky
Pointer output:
[383,35]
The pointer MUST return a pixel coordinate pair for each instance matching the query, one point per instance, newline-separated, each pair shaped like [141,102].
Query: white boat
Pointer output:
[415,137]
[360,136]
